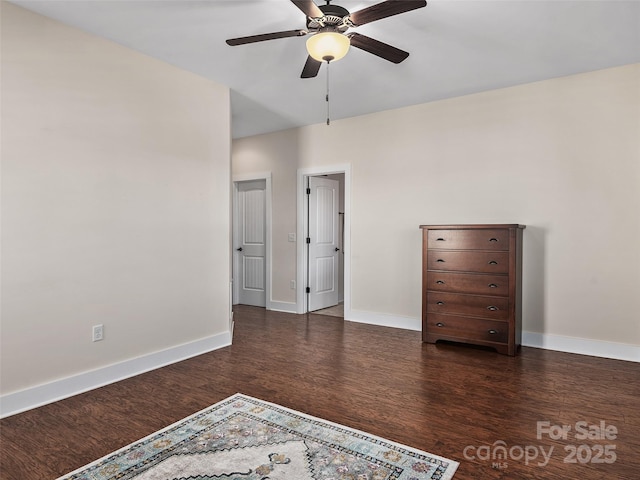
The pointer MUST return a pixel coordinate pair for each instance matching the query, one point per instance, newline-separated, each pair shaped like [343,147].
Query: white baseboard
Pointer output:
[383,320]
[286,307]
[582,346]
[33,397]
[13,403]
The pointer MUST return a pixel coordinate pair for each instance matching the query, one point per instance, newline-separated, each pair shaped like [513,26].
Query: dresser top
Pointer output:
[472,226]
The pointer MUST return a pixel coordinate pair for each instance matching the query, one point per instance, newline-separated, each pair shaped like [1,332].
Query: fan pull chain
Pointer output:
[327,97]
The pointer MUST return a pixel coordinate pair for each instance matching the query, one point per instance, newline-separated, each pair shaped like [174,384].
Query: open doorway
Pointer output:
[323,252]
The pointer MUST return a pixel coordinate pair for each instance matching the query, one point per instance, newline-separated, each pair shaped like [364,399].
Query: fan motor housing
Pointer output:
[335,16]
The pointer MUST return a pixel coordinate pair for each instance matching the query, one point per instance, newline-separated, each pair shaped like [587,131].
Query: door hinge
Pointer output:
[308,191]
[308,290]
[308,240]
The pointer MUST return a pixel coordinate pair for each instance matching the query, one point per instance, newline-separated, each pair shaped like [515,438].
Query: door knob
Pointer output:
[239,249]
[337,249]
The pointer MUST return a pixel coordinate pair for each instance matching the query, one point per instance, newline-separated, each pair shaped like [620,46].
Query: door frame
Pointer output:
[236,179]
[302,218]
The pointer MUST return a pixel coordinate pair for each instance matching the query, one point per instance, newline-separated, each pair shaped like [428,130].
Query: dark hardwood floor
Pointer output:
[447,400]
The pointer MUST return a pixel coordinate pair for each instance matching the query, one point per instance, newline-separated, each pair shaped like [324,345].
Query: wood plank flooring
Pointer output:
[447,400]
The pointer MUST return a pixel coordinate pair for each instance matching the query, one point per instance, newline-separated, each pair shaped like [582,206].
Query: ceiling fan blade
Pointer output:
[378,48]
[309,8]
[311,68]
[265,36]
[384,10]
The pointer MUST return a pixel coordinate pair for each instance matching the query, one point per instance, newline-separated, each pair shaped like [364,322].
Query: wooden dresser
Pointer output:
[472,285]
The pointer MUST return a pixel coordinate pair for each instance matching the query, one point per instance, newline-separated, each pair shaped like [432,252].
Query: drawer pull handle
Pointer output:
[493,239]
[439,282]
[439,324]
[493,332]
[440,239]
[492,308]
[440,260]
[439,303]
[493,285]
[493,262]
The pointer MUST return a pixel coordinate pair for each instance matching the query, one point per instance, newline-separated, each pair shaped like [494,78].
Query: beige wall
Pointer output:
[277,154]
[561,156]
[115,203]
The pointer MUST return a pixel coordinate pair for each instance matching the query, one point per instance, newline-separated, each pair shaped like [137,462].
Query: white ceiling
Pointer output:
[457,47]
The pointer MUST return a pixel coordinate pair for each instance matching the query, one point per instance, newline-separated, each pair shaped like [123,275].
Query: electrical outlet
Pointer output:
[293,284]
[98,333]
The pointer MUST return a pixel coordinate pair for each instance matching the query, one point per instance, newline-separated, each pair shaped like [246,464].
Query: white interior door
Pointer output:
[251,243]
[323,196]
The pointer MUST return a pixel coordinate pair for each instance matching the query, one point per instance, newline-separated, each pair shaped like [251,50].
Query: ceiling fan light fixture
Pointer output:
[328,46]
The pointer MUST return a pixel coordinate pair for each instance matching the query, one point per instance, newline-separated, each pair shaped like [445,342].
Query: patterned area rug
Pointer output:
[243,438]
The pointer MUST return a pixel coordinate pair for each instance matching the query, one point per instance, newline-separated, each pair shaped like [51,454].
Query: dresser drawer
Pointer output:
[478,284]
[483,262]
[476,305]
[451,327]
[484,239]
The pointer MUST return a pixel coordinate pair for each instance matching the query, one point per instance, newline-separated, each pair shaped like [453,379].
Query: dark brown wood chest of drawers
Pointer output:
[472,285]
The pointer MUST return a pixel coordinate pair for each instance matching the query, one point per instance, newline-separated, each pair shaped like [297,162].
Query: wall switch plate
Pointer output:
[292,237]
[98,333]
[293,284]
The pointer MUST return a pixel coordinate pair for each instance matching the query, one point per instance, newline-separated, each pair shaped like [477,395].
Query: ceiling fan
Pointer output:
[328,26]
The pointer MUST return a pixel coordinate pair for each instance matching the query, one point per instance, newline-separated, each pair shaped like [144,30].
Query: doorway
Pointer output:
[251,240]
[324,227]
[323,242]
